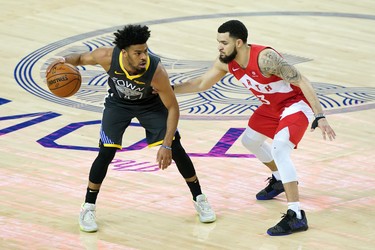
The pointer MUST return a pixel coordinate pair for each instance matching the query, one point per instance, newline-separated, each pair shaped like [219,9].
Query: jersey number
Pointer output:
[263,99]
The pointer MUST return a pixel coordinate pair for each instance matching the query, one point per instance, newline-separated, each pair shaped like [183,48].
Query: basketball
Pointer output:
[64,80]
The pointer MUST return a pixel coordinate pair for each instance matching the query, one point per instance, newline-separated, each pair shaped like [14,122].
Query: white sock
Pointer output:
[295,206]
[276,174]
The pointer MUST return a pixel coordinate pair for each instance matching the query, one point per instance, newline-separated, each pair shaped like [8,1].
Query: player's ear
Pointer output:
[239,43]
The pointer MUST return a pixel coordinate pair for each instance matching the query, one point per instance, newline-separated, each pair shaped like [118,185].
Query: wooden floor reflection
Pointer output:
[43,176]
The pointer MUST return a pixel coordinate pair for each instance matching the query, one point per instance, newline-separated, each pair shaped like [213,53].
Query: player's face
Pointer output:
[135,58]
[227,47]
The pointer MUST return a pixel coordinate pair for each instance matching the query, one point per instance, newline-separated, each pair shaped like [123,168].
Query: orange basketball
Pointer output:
[64,80]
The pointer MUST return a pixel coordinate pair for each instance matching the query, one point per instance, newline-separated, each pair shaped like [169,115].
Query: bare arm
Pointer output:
[161,84]
[271,63]
[101,56]
[203,82]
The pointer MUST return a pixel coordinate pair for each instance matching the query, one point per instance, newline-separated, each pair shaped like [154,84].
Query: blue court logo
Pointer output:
[226,100]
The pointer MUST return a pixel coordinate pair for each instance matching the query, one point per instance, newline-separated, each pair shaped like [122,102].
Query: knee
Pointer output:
[276,152]
[106,154]
[280,150]
[183,162]
[177,148]
[244,140]
[251,144]
[99,167]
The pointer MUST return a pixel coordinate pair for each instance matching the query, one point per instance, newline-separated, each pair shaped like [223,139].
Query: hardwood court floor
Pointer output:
[46,148]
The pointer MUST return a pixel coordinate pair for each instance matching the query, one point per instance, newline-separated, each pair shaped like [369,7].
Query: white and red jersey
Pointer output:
[283,104]
[272,91]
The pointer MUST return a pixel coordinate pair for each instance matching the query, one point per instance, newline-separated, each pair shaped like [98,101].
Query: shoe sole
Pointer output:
[88,231]
[288,233]
[269,196]
[210,220]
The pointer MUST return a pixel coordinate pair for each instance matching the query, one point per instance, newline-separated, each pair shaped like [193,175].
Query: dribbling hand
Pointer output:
[57,61]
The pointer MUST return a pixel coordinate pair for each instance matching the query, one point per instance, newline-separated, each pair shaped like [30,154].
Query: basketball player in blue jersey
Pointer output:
[132,76]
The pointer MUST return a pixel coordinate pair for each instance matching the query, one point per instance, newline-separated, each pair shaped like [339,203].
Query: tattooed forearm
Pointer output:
[272,63]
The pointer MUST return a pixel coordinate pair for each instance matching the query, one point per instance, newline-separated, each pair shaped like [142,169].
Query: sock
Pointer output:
[295,206]
[276,174]
[195,188]
[91,195]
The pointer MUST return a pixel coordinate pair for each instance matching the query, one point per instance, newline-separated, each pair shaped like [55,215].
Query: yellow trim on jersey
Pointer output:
[126,72]
[157,143]
[112,146]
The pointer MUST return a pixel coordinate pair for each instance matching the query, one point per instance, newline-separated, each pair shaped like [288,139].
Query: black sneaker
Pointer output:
[289,224]
[273,189]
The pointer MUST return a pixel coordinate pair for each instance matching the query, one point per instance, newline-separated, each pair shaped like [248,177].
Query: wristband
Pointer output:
[166,147]
[315,122]
[319,115]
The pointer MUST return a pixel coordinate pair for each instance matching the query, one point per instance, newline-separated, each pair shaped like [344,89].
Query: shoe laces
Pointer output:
[285,217]
[271,180]
[204,205]
[89,215]
[284,221]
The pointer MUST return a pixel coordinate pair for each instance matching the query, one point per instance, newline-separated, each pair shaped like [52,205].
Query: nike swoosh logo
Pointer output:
[119,73]
[235,69]
[139,82]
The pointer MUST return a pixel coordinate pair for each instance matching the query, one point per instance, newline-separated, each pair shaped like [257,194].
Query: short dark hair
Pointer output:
[235,28]
[131,35]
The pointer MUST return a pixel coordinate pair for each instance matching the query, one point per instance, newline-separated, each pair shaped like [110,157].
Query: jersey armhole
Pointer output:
[115,54]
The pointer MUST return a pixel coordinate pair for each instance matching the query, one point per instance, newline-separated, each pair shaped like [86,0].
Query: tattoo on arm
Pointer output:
[272,63]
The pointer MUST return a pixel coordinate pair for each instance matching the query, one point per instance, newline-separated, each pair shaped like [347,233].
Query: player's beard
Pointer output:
[136,69]
[140,71]
[227,59]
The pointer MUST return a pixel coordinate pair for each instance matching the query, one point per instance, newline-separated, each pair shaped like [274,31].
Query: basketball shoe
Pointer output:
[273,189]
[205,212]
[87,218]
[289,224]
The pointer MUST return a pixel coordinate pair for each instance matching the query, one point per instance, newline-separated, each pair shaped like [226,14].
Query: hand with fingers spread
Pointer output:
[322,123]
[55,62]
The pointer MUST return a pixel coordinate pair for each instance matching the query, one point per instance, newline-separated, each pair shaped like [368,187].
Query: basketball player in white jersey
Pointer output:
[289,103]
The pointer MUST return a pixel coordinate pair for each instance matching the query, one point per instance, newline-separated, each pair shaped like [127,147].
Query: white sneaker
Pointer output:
[205,212]
[87,218]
